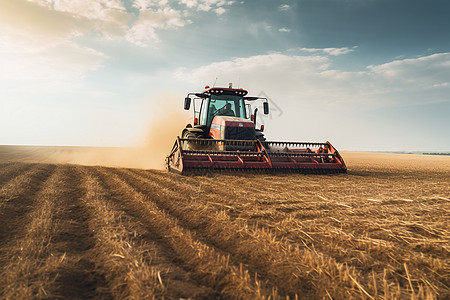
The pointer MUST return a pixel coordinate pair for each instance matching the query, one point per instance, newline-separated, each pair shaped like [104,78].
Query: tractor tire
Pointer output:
[205,146]
[188,145]
[260,136]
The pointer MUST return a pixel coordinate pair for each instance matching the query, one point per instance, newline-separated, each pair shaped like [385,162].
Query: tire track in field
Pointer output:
[11,171]
[17,199]
[184,189]
[5,165]
[207,187]
[163,190]
[292,269]
[347,247]
[137,265]
[275,222]
[125,262]
[76,273]
[30,264]
[226,198]
[341,247]
[211,267]
[226,190]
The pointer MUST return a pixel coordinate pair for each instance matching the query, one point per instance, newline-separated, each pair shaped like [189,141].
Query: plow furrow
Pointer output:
[29,269]
[269,255]
[11,170]
[212,268]
[17,200]
[71,231]
[343,239]
[125,263]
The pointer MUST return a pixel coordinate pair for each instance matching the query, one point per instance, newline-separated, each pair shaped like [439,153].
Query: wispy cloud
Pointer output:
[292,77]
[145,4]
[220,11]
[207,5]
[284,29]
[284,7]
[330,51]
[109,18]
[91,9]
[37,44]
[144,28]
[40,38]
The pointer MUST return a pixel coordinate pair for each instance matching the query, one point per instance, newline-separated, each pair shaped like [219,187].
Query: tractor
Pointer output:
[224,136]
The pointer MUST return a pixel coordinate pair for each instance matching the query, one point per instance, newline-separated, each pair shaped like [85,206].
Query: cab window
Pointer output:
[225,105]
[204,112]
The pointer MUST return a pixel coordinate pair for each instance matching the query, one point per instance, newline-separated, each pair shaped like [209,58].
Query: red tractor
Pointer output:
[224,136]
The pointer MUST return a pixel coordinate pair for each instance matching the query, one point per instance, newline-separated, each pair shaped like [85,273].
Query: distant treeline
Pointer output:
[436,153]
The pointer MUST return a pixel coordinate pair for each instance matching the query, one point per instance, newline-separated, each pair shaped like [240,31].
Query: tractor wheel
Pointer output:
[191,145]
[260,136]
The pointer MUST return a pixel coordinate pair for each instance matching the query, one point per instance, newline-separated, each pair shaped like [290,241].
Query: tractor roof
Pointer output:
[224,91]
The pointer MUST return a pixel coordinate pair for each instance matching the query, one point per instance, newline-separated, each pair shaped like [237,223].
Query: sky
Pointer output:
[366,75]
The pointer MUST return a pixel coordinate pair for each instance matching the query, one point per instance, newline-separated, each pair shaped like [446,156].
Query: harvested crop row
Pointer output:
[292,269]
[17,199]
[125,263]
[72,241]
[15,178]
[211,267]
[342,231]
[10,170]
[31,266]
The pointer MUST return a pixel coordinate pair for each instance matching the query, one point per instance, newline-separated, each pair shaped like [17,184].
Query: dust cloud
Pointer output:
[166,121]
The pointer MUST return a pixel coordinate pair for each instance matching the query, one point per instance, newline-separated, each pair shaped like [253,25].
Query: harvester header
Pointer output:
[224,136]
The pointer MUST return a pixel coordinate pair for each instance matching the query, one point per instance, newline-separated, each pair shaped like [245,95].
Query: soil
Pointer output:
[80,229]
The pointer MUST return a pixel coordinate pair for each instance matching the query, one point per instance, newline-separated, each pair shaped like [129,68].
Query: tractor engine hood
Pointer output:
[232,122]
[232,128]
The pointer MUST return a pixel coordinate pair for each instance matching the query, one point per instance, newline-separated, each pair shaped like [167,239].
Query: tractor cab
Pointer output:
[223,113]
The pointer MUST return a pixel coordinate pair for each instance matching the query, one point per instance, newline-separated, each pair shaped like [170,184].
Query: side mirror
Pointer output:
[266,108]
[187,103]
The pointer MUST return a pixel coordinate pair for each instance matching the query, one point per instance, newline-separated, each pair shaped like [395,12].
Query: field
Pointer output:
[72,230]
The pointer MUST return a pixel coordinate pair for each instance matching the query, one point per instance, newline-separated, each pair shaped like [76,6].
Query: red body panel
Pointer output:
[226,121]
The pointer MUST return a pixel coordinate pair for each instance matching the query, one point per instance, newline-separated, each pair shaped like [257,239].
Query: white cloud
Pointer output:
[49,64]
[272,71]
[144,4]
[311,101]
[144,29]
[189,3]
[36,45]
[284,7]
[331,51]
[91,9]
[207,5]
[109,18]
[310,81]
[284,29]
[434,68]
[220,11]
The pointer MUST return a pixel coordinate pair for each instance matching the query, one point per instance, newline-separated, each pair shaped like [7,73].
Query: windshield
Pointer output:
[225,105]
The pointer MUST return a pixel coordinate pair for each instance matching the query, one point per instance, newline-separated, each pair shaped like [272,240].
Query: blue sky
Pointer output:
[365,75]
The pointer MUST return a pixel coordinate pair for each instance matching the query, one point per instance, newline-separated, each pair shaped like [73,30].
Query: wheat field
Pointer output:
[80,230]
